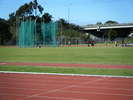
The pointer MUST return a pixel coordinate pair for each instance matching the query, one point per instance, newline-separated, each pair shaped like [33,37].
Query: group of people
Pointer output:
[91,43]
[122,44]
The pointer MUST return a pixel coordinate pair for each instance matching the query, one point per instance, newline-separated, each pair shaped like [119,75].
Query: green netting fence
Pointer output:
[26,36]
[34,34]
[49,31]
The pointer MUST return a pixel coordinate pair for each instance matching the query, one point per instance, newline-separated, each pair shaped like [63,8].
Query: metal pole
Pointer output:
[69,11]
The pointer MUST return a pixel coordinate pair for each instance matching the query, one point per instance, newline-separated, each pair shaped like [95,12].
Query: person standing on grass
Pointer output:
[69,42]
[116,43]
[77,42]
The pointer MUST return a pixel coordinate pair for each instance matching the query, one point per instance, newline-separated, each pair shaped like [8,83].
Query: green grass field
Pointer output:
[123,56]
[69,70]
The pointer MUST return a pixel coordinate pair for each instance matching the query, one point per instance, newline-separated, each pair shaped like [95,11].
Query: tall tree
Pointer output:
[29,9]
[112,34]
[12,22]
[99,23]
[69,30]
[62,21]
[5,35]
[36,6]
[23,10]
[47,17]
[111,22]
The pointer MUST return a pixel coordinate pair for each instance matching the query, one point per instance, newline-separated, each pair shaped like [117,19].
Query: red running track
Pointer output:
[55,87]
[68,65]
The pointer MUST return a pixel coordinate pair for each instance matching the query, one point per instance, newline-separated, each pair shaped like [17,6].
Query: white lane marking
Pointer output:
[87,75]
[60,98]
[92,87]
[97,93]
[60,89]
[11,94]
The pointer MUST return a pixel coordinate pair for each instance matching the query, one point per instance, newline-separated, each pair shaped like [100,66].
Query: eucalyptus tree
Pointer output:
[29,9]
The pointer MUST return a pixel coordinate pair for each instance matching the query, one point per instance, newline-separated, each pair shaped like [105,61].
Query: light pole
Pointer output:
[69,11]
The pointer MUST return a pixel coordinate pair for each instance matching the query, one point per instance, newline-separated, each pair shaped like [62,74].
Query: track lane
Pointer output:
[61,87]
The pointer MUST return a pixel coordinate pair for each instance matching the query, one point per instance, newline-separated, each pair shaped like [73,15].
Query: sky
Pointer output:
[81,12]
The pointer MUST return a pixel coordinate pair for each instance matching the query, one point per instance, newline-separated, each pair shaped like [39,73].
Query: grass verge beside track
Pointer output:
[76,55]
[90,71]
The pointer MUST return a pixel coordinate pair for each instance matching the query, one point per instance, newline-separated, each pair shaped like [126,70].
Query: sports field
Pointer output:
[66,73]
[73,60]
[81,55]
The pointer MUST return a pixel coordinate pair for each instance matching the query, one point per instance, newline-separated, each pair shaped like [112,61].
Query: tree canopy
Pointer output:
[112,34]
[5,34]
[69,30]
[111,22]
[29,9]
[47,17]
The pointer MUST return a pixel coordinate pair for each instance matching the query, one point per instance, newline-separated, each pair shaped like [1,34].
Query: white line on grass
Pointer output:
[87,75]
